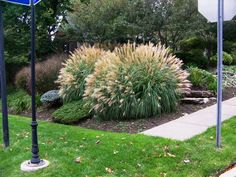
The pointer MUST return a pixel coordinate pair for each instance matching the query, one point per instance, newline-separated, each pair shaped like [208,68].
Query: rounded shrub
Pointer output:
[227,59]
[72,76]
[233,54]
[136,82]
[72,112]
[192,43]
[46,75]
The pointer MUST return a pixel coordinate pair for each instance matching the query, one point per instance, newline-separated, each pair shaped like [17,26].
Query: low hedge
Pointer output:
[72,112]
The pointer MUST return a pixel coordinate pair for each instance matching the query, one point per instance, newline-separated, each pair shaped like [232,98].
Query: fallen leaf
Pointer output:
[115,152]
[27,148]
[109,170]
[49,142]
[98,142]
[186,161]
[62,138]
[171,155]
[163,174]
[166,149]
[78,160]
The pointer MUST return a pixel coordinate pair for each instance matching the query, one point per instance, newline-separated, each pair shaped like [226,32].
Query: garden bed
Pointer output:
[135,126]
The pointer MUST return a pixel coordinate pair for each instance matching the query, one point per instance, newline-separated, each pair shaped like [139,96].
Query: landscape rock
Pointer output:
[195,100]
[199,94]
[51,98]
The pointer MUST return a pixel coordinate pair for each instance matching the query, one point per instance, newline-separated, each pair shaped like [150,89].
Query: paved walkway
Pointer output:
[230,173]
[193,124]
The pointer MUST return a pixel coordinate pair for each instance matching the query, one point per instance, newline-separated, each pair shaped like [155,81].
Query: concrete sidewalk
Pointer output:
[193,124]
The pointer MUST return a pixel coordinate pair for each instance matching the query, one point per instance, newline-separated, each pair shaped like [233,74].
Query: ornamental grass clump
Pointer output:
[136,82]
[72,76]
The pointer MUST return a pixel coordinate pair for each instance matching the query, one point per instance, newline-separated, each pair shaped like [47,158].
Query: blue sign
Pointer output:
[22,2]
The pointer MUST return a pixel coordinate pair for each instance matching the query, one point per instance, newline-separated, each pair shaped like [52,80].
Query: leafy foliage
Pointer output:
[136,82]
[231,69]
[120,21]
[72,76]
[194,57]
[17,28]
[19,101]
[46,75]
[234,58]
[203,79]
[192,52]
[72,112]
[227,59]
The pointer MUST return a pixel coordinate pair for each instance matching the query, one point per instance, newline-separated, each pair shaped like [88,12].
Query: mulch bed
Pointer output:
[135,126]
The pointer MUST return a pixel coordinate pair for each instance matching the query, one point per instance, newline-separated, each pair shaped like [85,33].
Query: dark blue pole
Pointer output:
[219,72]
[35,149]
[3,83]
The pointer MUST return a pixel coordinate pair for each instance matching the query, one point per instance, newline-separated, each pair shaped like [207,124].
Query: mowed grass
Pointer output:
[112,154]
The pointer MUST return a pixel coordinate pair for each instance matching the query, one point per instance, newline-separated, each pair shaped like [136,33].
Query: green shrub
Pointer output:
[46,75]
[233,54]
[72,112]
[231,69]
[227,59]
[72,76]
[203,79]
[136,82]
[194,57]
[192,43]
[19,101]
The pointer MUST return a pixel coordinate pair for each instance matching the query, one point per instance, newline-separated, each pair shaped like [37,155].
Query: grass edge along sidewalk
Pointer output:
[112,154]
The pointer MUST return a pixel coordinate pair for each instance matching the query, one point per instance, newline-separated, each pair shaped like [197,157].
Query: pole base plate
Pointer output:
[27,166]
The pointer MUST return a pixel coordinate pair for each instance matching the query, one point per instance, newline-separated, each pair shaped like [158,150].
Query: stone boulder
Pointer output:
[51,98]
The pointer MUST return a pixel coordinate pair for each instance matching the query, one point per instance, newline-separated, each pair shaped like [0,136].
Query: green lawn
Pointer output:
[127,155]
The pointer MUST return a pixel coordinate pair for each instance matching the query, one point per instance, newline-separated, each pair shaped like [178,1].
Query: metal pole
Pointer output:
[3,83]
[35,149]
[219,73]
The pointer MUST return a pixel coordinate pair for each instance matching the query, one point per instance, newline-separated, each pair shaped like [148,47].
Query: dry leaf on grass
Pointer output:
[171,155]
[98,142]
[78,160]
[109,170]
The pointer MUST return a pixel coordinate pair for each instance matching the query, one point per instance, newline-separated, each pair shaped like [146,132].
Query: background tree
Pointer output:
[17,31]
[17,28]
[119,21]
